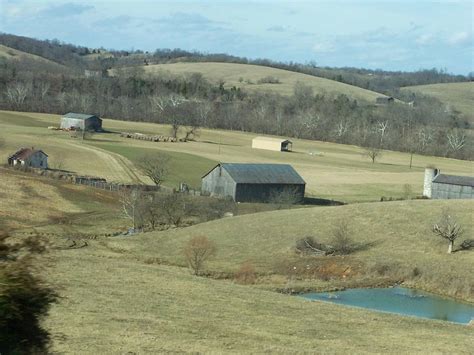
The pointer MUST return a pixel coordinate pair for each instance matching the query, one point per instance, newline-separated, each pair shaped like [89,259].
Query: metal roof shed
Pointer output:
[253,182]
[269,143]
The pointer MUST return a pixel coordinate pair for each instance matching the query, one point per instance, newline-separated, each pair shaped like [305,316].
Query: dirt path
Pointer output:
[116,167]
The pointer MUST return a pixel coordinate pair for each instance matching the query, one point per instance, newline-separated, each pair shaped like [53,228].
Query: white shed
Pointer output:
[276,144]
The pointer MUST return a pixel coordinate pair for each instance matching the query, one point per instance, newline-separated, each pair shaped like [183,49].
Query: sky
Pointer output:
[402,35]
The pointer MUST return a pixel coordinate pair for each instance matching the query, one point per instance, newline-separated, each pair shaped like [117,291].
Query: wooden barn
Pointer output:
[29,157]
[81,121]
[442,186]
[276,144]
[253,182]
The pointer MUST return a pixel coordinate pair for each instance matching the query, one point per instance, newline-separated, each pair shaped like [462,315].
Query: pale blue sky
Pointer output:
[392,35]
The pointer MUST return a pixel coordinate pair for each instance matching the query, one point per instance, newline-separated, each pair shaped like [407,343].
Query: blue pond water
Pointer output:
[402,301]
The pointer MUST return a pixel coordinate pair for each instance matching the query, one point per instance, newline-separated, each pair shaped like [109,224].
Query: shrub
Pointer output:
[246,274]
[342,242]
[196,251]
[467,244]
[269,80]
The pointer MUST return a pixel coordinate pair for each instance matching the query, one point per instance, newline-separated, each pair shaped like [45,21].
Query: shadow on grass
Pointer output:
[314,201]
[217,143]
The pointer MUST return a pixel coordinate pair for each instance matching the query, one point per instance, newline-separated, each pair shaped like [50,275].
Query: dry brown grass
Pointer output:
[113,303]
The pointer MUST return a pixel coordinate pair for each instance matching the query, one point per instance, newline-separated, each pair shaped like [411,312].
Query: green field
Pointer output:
[457,96]
[331,171]
[240,75]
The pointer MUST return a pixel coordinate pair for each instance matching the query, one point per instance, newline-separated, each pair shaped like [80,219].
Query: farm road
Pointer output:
[115,167]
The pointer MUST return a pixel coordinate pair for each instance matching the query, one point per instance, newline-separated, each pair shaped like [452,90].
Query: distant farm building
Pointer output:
[94,73]
[81,121]
[442,186]
[384,100]
[29,157]
[276,144]
[253,182]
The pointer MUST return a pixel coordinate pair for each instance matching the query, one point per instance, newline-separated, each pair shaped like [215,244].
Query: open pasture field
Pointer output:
[247,76]
[396,239]
[113,302]
[458,96]
[331,171]
[131,294]
[32,203]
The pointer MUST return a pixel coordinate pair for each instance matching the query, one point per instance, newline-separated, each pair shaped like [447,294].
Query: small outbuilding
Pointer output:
[80,121]
[29,157]
[253,182]
[276,144]
[442,186]
[384,100]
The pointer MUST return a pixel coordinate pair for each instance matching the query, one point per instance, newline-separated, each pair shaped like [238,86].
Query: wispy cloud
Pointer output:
[460,38]
[425,39]
[277,28]
[64,10]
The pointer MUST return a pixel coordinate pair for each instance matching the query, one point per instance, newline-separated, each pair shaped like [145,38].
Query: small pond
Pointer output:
[402,301]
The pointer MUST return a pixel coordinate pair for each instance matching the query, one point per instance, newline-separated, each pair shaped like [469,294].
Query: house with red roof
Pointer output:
[29,157]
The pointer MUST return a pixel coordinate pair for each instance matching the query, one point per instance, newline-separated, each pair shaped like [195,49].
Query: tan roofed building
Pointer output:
[276,144]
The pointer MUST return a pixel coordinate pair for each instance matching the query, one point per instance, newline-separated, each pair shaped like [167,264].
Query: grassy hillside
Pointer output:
[117,294]
[333,171]
[113,303]
[16,55]
[396,236]
[247,77]
[458,96]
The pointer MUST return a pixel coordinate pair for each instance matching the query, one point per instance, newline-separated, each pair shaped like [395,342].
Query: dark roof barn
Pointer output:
[252,182]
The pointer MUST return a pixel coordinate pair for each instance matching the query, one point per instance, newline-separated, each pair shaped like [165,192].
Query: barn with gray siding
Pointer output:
[29,157]
[442,186]
[81,121]
[252,182]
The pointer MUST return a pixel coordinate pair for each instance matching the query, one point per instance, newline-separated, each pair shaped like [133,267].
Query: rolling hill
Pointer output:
[11,54]
[132,293]
[247,77]
[457,96]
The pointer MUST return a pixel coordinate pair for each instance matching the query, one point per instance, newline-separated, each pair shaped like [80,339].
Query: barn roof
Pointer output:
[262,173]
[454,180]
[271,139]
[78,116]
[25,153]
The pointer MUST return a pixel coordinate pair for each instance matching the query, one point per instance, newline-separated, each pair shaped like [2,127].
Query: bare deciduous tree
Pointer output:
[133,206]
[155,166]
[342,242]
[456,140]
[448,228]
[373,152]
[16,94]
[197,251]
